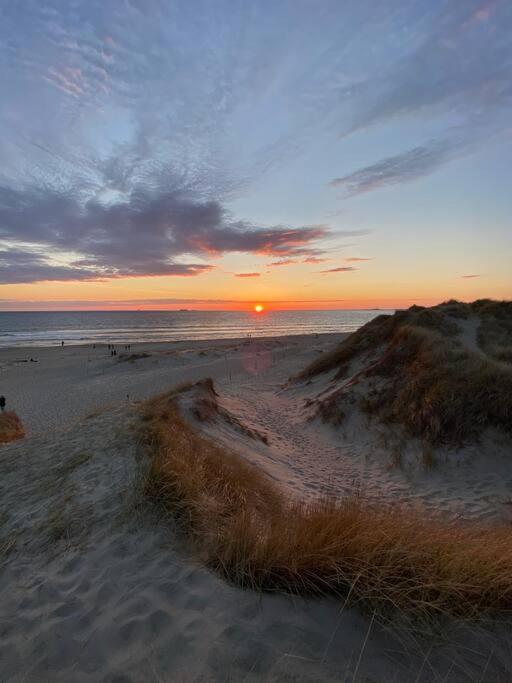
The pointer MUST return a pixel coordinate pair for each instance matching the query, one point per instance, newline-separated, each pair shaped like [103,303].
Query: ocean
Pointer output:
[83,327]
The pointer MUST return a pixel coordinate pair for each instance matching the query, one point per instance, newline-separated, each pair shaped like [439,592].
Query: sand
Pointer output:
[96,586]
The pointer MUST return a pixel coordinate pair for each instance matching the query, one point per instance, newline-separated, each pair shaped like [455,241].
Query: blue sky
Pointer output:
[159,149]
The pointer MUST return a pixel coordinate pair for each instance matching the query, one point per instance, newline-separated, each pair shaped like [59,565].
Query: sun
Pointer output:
[258,308]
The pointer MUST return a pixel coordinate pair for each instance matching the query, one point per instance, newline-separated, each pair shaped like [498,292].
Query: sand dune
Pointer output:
[95,585]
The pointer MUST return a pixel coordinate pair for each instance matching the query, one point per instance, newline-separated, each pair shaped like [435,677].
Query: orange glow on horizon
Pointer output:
[258,308]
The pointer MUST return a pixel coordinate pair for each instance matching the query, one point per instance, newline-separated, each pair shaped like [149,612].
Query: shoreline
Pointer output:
[184,340]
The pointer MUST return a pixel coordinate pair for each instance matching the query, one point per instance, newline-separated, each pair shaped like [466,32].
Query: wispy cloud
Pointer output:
[357,259]
[403,168]
[314,259]
[247,274]
[470,277]
[283,262]
[340,269]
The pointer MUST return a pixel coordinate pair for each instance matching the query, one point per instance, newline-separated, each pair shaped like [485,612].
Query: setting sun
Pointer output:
[258,308]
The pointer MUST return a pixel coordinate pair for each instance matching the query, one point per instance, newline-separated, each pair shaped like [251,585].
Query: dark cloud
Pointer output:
[341,269]
[142,234]
[247,274]
[20,266]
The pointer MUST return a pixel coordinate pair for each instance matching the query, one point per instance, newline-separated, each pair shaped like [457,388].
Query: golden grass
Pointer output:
[11,427]
[383,556]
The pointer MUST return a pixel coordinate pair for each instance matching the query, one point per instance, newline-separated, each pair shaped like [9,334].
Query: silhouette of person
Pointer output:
[2,403]
[62,343]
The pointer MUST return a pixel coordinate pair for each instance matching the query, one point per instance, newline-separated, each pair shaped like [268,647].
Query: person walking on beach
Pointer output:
[62,343]
[2,403]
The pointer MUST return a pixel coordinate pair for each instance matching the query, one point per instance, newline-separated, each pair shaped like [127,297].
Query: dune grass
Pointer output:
[11,427]
[375,333]
[439,391]
[424,376]
[386,557]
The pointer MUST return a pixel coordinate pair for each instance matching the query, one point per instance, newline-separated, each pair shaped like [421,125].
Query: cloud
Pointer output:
[247,274]
[341,269]
[469,277]
[458,60]
[146,232]
[98,97]
[21,266]
[357,259]
[283,262]
[314,259]
[403,168]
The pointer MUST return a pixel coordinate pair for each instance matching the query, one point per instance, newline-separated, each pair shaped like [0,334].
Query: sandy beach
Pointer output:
[61,384]
[96,586]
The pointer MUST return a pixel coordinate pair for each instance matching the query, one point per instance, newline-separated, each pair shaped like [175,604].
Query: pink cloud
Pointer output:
[314,259]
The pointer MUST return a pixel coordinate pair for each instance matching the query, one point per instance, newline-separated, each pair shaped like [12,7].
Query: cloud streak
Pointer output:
[403,168]
[340,269]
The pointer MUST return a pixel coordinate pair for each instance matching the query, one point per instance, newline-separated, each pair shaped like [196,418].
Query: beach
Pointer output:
[62,383]
[97,585]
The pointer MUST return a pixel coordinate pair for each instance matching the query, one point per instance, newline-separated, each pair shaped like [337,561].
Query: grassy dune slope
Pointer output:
[417,368]
[386,557]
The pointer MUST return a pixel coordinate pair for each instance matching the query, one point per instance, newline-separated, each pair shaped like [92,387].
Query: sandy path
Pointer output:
[311,459]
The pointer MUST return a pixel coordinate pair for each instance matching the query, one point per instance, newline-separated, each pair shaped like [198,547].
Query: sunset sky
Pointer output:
[159,154]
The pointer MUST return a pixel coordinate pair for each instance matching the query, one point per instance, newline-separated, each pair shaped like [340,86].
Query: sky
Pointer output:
[215,154]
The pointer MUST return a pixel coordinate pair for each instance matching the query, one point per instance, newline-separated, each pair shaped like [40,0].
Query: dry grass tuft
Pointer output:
[383,556]
[11,427]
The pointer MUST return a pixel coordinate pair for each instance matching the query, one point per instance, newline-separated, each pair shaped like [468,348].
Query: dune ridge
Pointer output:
[443,373]
[384,556]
